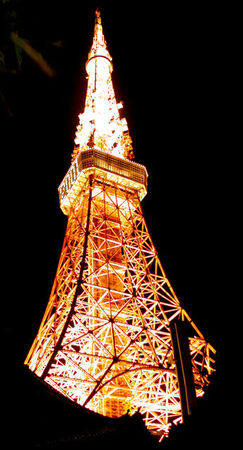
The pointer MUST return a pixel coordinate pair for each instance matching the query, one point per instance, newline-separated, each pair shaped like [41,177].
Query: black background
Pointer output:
[172,73]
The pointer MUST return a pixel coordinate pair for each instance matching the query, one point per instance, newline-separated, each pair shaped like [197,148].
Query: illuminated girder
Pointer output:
[105,339]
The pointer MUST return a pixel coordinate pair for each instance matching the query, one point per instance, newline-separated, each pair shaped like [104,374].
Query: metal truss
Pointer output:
[105,340]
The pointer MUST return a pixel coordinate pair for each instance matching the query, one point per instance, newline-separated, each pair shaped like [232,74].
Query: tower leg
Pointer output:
[105,340]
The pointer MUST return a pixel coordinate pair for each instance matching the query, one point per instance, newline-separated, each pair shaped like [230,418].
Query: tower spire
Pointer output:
[100,125]
[99,46]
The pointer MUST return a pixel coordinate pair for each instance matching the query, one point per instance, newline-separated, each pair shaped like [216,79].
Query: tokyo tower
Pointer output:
[111,337]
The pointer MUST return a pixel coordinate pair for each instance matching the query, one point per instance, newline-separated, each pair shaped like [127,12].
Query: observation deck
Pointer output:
[111,169]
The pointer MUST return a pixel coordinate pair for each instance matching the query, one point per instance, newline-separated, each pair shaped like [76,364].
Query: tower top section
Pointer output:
[99,46]
[103,144]
[101,126]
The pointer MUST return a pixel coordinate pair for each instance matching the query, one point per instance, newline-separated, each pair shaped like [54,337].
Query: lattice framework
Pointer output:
[105,339]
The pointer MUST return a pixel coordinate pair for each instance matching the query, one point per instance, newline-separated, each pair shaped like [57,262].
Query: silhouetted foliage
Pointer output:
[14,47]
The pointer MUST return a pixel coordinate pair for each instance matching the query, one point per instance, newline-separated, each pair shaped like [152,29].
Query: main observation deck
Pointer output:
[112,169]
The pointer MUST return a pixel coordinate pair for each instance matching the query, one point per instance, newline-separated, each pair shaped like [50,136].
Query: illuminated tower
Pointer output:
[110,337]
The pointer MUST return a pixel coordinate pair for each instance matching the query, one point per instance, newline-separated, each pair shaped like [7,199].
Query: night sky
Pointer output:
[169,72]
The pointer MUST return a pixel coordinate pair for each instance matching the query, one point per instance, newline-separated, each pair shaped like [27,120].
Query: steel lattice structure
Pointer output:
[105,339]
